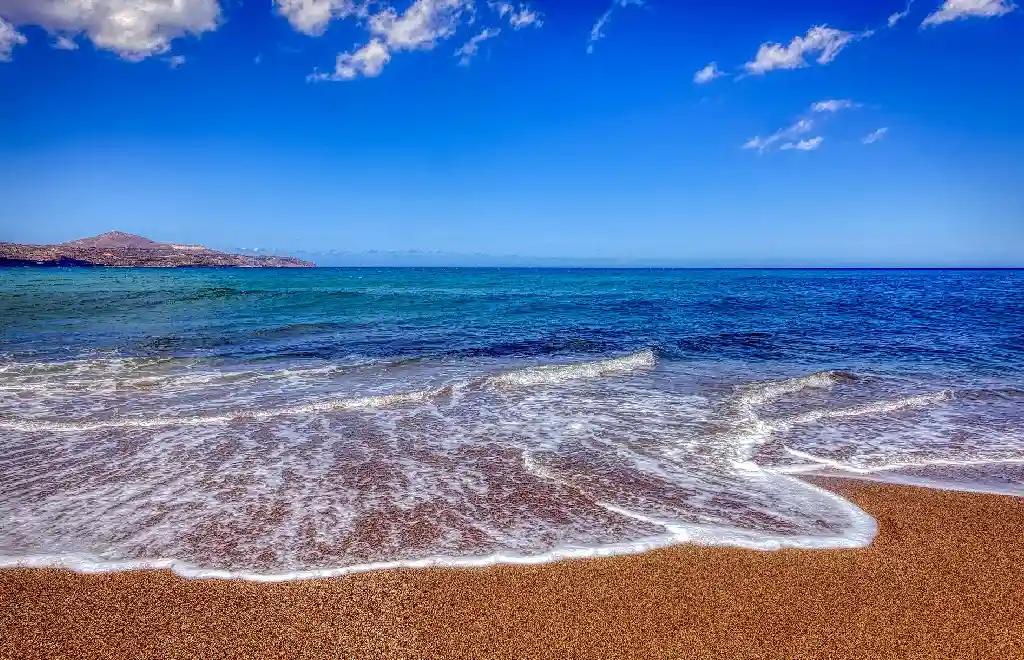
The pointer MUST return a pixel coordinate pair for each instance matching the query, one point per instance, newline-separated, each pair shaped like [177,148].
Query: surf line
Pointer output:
[553,374]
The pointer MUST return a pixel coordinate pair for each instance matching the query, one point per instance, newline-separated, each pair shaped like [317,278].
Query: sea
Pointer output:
[288,424]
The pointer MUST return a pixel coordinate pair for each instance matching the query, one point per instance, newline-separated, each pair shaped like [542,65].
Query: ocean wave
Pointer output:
[530,376]
[125,374]
[877,408]
[764,393]
[852,527]
[992,394]
[818,462]
[560,373]
[326,406]
[752,430]
[91,366]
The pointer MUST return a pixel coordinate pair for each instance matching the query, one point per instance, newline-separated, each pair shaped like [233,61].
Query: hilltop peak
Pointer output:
[115,239]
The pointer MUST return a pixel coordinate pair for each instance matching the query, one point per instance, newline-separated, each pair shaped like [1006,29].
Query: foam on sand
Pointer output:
[526,465]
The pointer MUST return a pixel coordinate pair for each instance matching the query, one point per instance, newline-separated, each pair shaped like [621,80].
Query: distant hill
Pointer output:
[116,239]
[120,249]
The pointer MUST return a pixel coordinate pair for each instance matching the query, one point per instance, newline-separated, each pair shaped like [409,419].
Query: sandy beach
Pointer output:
[942,580]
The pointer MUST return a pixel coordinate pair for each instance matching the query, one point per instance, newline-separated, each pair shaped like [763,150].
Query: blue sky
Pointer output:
[576,129]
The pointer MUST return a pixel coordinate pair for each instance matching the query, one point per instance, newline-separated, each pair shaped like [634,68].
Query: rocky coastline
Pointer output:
[122,250]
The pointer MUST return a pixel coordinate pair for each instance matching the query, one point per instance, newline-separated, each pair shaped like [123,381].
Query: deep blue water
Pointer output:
[280,421]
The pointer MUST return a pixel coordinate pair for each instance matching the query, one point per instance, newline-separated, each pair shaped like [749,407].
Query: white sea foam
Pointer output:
[877,408]
[764,393]
[561,373]
[860,535]
[533,376]
[318,407]
[854,468]
[529,465]
[121,374]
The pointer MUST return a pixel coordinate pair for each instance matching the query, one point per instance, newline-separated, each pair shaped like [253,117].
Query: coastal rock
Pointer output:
[119,249]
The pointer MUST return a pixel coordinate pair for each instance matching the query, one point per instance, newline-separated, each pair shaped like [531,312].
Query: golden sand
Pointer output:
[943,579]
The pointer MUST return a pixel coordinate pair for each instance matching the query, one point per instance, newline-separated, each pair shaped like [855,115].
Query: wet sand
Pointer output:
[944,579]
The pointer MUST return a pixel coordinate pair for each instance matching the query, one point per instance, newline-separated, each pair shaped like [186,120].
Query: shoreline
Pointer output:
[941,579]
[82,565]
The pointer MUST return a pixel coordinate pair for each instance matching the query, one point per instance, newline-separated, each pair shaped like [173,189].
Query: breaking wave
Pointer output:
[561,373]
[519,378]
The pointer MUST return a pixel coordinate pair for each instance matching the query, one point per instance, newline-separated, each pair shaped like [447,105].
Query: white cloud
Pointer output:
[791,132]
[419,27]
[367,61]
[597,31]
[804,145]
[708,73]
[134,29]
[900,15]
[875,136]
[470,48]
[825,41]
[64,43]
[517,18]
[312,16]
[9,38]
[422,25]
[175,61]
[524,18]
[952,10]
[833,105]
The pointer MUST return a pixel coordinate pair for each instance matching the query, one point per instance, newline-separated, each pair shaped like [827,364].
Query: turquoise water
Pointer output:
[274,424]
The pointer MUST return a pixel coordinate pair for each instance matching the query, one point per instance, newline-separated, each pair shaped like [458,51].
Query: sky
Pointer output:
[655,132]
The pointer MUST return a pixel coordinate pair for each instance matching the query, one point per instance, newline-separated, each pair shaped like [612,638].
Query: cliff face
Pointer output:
[130,251]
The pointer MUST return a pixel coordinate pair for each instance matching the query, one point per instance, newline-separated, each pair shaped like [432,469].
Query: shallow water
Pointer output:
[282,424]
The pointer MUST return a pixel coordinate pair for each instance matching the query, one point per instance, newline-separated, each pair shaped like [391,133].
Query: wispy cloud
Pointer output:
[822,40]
[791,132]
[469,49]
[517,18]
[423,25]
[833,105]
[597,31]
[367,61]
[174,61]
[900,15]
[419,27]
[791,137]
[952,10]
[708,73]
[804,145]
[875,136]
[64,43]
[524,18]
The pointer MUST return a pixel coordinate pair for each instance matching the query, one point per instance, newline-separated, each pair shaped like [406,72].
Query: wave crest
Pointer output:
[541,375]
[764,393]
[559,373]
